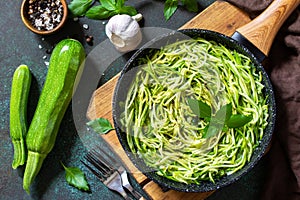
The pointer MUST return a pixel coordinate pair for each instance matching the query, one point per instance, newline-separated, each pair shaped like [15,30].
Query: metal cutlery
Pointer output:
[110,172]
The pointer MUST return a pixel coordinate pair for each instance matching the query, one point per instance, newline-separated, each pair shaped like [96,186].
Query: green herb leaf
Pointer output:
[224,113]
[108,4]
[99,12]
[79,7]
[210,131]
[193,103]
[200,108]
[120,4]
[170,8]
[100,125]
[191,5]
[238,120]
[75,177]
[218,121]
[205,109]
[129,10]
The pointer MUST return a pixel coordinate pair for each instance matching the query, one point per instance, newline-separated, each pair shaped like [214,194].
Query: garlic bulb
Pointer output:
[124,32]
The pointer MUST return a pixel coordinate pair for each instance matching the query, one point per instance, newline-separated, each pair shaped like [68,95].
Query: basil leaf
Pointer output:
[193,103]
[205,109]
[99,12]
[200,108]
[224,113]
[120,4]
[211,131]
[238,120]
[79,7]
[129,10]
[108,4]
[75,177]
[191,5]
[215,126]
[100,125]
[170,8]
[217,122]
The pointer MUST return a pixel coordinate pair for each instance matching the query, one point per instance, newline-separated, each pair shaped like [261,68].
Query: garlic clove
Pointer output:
[117,41]
[124,32]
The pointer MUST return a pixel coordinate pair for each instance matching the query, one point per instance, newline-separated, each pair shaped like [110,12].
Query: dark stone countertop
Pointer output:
[20,46]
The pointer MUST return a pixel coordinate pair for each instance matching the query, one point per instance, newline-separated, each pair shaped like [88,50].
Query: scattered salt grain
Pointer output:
[85,26]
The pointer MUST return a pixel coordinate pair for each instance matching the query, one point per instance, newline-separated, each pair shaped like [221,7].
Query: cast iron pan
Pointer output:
[256,49]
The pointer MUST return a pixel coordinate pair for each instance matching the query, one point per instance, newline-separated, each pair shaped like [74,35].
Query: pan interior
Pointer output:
[124,83]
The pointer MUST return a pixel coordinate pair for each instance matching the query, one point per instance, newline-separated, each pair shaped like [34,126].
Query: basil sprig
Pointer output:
[221,120]
[106,9]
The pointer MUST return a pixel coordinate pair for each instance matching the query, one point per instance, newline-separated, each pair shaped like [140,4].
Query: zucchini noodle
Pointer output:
[161,127]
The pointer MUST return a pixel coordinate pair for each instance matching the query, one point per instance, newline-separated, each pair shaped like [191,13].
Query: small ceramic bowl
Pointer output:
[45,29]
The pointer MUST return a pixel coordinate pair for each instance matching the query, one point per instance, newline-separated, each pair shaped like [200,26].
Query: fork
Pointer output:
[109,176]
[97,159]
[121,169]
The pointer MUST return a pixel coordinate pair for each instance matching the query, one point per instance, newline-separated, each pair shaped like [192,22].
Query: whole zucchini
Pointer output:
[18,113]
[64,67]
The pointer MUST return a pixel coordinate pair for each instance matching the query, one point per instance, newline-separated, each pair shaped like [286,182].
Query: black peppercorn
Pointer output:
[45,14]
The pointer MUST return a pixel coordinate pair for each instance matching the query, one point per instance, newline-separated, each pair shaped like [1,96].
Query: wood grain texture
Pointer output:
[221,17]
[262,30]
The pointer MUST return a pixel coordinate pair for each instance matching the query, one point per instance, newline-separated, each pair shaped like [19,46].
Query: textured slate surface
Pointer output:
[20,46]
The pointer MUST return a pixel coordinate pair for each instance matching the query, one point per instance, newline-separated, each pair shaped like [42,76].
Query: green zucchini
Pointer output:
[65,67]
[18,113]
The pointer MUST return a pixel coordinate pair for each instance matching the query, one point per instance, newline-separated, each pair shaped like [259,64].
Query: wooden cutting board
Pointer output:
[221,17]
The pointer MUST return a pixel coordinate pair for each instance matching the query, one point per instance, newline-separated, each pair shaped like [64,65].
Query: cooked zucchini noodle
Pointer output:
[161,127]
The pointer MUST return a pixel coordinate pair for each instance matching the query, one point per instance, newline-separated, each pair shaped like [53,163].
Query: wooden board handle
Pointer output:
[262,30]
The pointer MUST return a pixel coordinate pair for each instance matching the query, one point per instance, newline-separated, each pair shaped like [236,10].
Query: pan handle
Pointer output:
[262,30]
